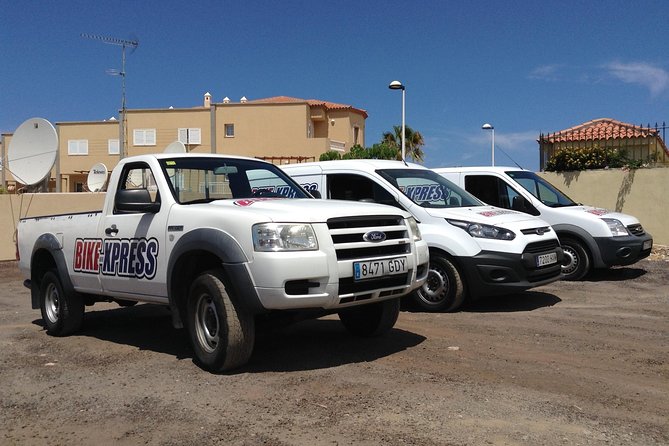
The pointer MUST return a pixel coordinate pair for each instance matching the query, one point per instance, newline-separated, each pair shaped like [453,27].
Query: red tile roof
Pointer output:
[602,128]
[312,102]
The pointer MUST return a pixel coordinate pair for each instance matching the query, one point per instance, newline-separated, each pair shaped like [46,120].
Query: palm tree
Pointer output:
[413,143]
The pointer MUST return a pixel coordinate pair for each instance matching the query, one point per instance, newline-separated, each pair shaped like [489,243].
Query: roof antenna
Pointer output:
[123,43]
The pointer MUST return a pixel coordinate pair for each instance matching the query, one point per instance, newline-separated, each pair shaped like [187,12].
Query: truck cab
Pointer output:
[591,237]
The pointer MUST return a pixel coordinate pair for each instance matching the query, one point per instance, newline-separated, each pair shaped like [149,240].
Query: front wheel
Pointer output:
[444,289]
[221,330]
[576,262]
[371,319]
[62,313]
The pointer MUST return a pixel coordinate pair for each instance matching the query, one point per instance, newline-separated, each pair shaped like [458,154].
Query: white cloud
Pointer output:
[644,74]
[546,72]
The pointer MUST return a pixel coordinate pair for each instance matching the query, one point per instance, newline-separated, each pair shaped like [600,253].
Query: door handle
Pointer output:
[111,231]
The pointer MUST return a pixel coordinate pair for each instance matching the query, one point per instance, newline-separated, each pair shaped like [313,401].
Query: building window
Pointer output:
[113,146]
[356,135]
[190,136]
[229,130]
[144,137]
[77,147]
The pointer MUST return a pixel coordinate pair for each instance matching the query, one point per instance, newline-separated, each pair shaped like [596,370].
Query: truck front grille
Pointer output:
[539,247]
[636,229]
[348,236]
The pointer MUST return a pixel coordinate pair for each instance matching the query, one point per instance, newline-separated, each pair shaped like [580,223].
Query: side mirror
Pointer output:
[522,204]
[135,201]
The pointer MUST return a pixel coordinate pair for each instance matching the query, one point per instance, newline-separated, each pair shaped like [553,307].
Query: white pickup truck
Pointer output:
[591,237]
[197,233]
[475,250]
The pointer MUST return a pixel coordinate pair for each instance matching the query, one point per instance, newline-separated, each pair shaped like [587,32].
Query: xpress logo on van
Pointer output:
[425,192]
[137,257]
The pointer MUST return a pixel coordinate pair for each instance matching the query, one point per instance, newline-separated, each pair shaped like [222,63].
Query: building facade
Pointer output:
[278,129]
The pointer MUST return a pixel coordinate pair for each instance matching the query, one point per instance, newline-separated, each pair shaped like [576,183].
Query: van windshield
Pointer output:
[541,189]
[203,179]
[428,189]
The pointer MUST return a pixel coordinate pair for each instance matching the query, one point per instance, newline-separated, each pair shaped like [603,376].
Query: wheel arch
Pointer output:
[584,237]
[47,255]
[206,249]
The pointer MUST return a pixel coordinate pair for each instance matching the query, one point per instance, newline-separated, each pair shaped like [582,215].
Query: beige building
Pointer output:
[279,129]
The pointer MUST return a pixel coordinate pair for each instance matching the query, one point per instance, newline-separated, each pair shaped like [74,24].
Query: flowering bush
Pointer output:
[569,158]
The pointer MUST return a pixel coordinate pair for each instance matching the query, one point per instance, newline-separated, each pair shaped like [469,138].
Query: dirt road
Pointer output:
[569,363]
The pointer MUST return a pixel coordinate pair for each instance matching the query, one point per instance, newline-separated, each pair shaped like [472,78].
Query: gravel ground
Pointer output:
[570,363]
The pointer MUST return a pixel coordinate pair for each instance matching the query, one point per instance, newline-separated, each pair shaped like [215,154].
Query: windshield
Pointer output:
[201,180]
[541,189]
[429,189]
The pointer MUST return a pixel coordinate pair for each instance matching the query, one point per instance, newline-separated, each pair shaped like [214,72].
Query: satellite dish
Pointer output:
[175,147]
[97,178]
[32,151]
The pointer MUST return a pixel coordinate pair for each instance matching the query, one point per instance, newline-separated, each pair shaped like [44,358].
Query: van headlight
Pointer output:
[415,232]
[284,237]
[616,227]
[480,230]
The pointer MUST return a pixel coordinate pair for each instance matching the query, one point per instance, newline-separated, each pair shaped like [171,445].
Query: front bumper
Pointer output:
[624,250]
[496,273]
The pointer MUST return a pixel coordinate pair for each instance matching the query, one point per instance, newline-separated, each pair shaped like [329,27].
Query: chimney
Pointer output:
[207,100]
[226,100]
[243,100]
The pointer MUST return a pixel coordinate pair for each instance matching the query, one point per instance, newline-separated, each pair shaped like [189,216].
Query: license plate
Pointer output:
[647,245]
[546,259]
[378,268]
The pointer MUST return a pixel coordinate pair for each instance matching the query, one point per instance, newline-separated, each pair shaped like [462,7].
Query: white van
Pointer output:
[590,237]
[475,250]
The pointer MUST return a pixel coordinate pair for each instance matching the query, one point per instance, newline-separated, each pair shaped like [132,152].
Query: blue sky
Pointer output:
[524,66]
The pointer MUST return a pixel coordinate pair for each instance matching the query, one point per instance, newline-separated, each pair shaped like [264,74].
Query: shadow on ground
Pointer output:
[525,301]
[307,345]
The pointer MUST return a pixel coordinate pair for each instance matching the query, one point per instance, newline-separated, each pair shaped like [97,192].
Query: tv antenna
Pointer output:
[123,43]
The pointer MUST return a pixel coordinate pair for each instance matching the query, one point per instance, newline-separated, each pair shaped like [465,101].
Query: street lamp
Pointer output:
[487,126]
[397,85]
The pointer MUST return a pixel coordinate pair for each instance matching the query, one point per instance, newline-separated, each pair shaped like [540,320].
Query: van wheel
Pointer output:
[371,319]
[576,262]
[444,289]
[62,313]
[221,330]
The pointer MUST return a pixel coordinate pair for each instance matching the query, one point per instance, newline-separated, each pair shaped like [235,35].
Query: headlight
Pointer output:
[483,231]
[617,228]
[284,237]
[413,225]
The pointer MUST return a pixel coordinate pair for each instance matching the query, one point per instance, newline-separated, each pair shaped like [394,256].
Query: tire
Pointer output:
[221,330]
[62,313]
[444,289]
[371,319]
[576,262]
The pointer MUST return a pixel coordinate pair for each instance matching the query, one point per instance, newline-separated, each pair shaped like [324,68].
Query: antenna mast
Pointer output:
[123,43]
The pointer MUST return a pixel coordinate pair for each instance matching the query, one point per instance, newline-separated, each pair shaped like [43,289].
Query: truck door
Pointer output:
[134,259]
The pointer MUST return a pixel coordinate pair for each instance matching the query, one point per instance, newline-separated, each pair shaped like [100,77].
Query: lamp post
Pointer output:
[397,85]
[487,126]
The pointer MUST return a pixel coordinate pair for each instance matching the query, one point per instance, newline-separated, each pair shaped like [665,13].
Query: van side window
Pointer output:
[344,186]
[492,190]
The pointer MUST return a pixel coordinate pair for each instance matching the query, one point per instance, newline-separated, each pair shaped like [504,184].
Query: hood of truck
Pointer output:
[585,212]
[304,210]
[489,215]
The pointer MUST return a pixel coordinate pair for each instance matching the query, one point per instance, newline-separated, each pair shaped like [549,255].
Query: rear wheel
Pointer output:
[576,262]
[444,289]
[221,330]
[62,313]
[371,319]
